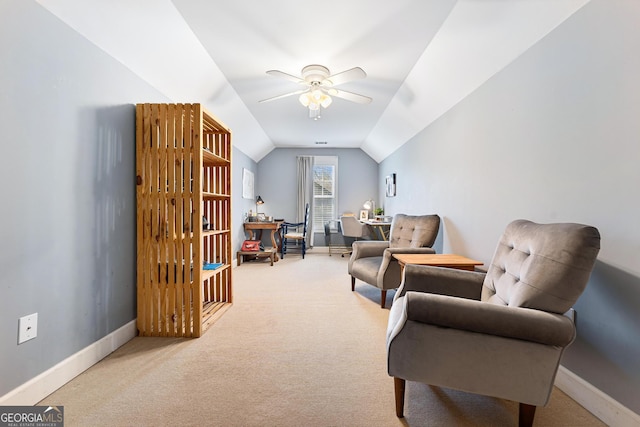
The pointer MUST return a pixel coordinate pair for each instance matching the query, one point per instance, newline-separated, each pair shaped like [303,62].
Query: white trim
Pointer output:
[39,387]
[608,410]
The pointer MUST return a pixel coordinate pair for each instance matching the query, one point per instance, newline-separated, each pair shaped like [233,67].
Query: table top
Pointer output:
[376,222]
[438,260]
[262,225]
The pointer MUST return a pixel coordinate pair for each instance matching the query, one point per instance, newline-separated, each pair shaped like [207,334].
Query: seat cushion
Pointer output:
[541,266]
[294,235]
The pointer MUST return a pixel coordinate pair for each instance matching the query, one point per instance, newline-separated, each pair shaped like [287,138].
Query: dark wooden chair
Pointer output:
[294,235]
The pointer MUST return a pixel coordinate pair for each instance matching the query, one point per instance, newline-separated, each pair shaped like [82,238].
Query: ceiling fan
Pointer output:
[319,87]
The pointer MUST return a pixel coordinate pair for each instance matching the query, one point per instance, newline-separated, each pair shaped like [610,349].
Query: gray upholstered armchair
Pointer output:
[372,261]
[499,334]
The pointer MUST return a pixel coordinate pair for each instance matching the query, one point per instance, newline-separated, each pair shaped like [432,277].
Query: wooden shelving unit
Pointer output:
[183,173]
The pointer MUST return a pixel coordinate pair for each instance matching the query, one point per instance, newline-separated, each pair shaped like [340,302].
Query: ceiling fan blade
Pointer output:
[297,92]
[348,75]
[278,73]
[350,96]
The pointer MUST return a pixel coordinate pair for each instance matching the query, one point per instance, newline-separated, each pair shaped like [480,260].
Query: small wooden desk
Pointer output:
[273,226]
[437,260]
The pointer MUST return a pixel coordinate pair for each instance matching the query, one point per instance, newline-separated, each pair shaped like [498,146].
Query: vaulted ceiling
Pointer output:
[421,57]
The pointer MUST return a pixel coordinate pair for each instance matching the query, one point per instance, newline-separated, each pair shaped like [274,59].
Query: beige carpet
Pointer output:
[297,348]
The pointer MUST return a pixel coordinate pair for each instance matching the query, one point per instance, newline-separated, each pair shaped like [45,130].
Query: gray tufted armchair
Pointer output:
[499,334]
[372,261]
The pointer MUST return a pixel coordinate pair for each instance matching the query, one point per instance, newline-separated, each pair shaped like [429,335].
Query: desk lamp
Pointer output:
[259,201]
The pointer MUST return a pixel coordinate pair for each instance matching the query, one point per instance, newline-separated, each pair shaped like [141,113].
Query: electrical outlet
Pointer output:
[27,327]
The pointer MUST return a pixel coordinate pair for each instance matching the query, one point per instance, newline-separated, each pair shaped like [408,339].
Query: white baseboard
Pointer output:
[37,388]
[608,410]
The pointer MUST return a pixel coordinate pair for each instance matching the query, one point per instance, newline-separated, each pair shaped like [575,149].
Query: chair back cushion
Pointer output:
[409,231]
[541,266]
[351,227]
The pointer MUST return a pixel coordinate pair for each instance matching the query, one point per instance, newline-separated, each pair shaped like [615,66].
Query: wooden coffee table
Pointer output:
[437,260]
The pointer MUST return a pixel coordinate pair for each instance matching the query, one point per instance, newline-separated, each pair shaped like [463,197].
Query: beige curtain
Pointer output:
[305,193]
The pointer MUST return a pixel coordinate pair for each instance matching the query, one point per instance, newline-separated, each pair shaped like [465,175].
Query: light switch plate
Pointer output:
[27,327]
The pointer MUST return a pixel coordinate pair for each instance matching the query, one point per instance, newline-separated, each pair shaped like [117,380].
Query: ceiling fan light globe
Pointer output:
[326,101]
[314,106]
[304,99]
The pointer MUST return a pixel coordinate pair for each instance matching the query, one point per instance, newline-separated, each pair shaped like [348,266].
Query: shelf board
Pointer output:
[211,311]
[207,274]
[214,232]
[212,125]
[210,159]
[215,196]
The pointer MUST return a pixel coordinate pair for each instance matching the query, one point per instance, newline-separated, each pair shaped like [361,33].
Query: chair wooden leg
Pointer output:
[353,283]
[525,417]
[399,385]
[383,298]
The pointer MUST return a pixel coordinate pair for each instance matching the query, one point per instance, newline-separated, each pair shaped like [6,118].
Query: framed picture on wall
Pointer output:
[364,215]
[247,184]
[391,185]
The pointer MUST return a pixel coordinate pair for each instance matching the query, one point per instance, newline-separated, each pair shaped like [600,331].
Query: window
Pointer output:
[325,198]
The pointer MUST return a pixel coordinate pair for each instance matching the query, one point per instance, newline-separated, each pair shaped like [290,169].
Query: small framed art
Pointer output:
[391,185]
[247,184]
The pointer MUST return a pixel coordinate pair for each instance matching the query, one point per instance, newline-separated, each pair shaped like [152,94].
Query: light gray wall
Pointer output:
[68,174]
[555,137]
[276,180]
[239,205]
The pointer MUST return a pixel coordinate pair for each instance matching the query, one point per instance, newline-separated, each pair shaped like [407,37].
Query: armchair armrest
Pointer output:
[387,255]
[442,281]
[421,250]
[486,318]
[368,248]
